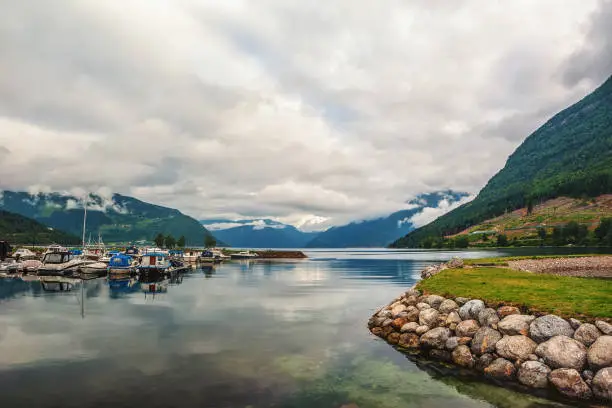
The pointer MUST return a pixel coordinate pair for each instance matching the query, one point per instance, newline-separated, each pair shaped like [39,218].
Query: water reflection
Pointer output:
[283,334]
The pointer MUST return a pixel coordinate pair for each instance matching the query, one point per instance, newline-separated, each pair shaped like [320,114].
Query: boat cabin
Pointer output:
[155,260]
[57,257]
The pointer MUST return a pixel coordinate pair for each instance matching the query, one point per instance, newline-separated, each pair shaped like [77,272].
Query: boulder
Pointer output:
[563,352]
[488,317]
[606,328]
[484,340]
[455,263]
[412,314]
[410,301]
[421,330]
[515,347]
[602,384]
[569,383]
[471,309]
[452,343]
[434,300]
[409,327]
[447,306]
[413,292]
[501,369]
[398,323]
[377,331]
[587,334]
[462,356]
[461,300]
[387,322]
[440,355]
[386,331]
[467,328]
[453,318]
[533,357]
[429,317]
[422,306]
[397,309]
[484,361]
[464,341]
[575,323]
[408,340]
[385,314]
[435,338]
[393,338]
[600,353]
[549,326]
[533,374]
[514,324]
[507,311]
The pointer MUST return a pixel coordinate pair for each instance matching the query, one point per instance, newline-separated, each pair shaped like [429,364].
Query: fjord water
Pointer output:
[244,334]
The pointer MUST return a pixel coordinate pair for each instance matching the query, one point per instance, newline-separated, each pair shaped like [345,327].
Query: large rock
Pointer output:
[484,361]
[600,353]
[413,292]
[461,300]
[422,330]
[563,352]
[484,340]
[467,328]
[549,326]
[435,338]
[453,318]
[428,317]
[606,328]
[501,369]
[507,311]
[488,317]
[515,347]
[408,340]
[440,355]
[393,338]
[455,263]
[409,327]
[399,323]
[397,309]
[452,343]
[587,334]
[447,306]
[412,314]
[471,309]
[422,306]
[463,357]
[410,301]
[569,383]
[602,384]
[533,374]
[434,300]
[515,324]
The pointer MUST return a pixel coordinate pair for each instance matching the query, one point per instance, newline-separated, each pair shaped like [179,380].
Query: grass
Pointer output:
[503,260]
[582,298]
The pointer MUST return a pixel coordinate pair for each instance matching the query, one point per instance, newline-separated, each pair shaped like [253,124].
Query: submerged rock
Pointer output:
[507,311]
[602,384]
[569,383]
[515,324]
[440,355]
[467,328]
[563,352]
[600,353]
[435,338]
[515,347]
[501,369]
[587,334]
[606,328]
[484,340]
[533,374]
[549,326]
[463,357]
[471,309]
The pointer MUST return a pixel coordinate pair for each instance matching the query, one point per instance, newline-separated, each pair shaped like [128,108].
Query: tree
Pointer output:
[542,234]
[181,242]
[529,206]
[557,236]
[462,242]
[502,240]
[210,241]
[604,227]
[170,242]
[159,240]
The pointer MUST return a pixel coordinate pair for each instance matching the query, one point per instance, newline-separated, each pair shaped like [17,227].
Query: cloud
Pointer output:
[429,214]
[315,115]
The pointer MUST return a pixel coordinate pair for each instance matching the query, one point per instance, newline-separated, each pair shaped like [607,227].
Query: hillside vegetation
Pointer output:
[570,155]
[17,229]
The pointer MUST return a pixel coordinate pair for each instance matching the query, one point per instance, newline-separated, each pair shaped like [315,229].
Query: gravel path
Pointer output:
[594,266]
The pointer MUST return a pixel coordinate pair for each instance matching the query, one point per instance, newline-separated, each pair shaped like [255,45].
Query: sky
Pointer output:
[311,113]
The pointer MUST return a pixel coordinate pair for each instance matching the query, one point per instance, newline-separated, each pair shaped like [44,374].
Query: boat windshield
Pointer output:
[55,258]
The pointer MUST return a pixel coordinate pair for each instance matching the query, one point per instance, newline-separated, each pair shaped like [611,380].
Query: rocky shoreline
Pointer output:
[539,352]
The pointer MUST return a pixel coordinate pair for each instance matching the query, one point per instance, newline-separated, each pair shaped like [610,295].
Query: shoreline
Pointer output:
[498,341]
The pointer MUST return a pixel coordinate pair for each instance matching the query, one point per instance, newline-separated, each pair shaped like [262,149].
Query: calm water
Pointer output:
[258,334]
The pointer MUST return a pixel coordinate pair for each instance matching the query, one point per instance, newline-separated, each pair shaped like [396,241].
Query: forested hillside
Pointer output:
[17,229]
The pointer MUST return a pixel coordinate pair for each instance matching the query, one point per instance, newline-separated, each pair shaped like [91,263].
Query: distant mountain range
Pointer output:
[117,218]
[17,229]
[383,231]
[570,155]
[263,233]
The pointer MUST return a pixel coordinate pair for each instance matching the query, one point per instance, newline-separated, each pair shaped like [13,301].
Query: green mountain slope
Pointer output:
[117,219]
[17,229]
[570,155]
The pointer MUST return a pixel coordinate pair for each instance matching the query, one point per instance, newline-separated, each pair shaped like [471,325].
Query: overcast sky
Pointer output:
[300,110]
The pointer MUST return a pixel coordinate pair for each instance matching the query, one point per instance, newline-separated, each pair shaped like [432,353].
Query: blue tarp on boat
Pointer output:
[120,261]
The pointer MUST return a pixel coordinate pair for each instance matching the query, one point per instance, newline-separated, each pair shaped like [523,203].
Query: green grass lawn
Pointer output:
[503,260]
[586,298]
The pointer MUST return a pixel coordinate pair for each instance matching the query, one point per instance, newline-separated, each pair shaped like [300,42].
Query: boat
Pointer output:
[121,265]
[219,255]
[132,251]
[191,256]
[97,268]
[154,261]
[58,283]
[58,261]
[30,266]
[244,255]
[24,253]
[206,257]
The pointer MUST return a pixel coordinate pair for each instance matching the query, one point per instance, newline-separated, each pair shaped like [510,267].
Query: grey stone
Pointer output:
[471,309]
[434,300]
[422,306]
[413,292]
[587,334]
[501,369]
[563,352]
[484,340]
[467,328]
[606,328]
[484,361]
[600,353]
[462,356]
[422,330]
[412,314]
[441,355]
[602,384]
[428,317]
[569,383]
[408,340]
[435,338]
[504,311]
[532,357]
[488,317]
[447,306]
[397,309]
[461,300]
[387,322]
[549,326]
[515,347]
[588,374]
[385,313]
[533,374]
[575,323]
[409,327]
[410,301]
[453,318]
[515,324]
[455,263]
[452,343]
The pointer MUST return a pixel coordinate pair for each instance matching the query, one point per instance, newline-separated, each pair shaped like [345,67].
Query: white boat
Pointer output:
[30,266]
[96,268]
[60,262]
[244,255]
[219,255]
[24,253]
[191,257]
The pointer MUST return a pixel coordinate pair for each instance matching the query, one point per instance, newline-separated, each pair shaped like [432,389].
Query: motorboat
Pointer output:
[30,266]
[244,255]
[154,262]
[24,253]
[58,261]
[206,257]
[191,256]
[219,255]
[96,269]
[121,265]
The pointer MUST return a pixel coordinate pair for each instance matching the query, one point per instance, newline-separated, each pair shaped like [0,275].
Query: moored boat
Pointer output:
[58,261]
[244,255]
[121,265]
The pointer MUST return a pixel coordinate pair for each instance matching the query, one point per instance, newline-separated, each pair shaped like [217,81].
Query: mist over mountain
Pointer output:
[262,233]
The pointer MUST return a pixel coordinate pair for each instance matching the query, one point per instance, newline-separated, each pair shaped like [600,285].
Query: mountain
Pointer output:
[17,229]
[263,233]
[381,232]
[117,218]
[570,155]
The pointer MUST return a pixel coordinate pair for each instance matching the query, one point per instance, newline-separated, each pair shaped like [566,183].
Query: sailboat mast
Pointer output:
[84,218]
